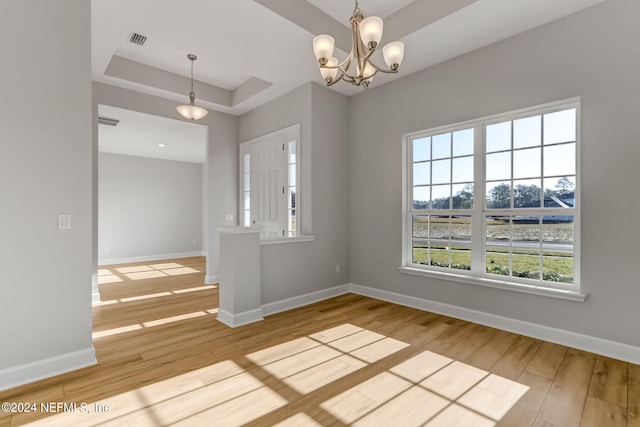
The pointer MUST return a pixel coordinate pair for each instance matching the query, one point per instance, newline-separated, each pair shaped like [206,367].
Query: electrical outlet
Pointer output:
[64,221]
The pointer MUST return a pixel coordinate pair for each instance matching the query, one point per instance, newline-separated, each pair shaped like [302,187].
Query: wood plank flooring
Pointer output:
[164,359]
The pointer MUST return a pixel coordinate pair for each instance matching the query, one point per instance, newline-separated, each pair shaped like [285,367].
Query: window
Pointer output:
[268,183]
[496,198]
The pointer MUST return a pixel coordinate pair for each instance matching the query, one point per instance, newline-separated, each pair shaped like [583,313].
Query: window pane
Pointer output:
[247,218]
[292,174]
[247,162]
[463,142]
[560,126]
[557,244]
[525,266]
[439,256]
[422,149]
[421,197]
[440,236]
[525,233]
[292,222]
[526,163]
[439,230]
[462,196]
[422,173]
[498,166]
[560,160]
[463,169]
[441,171]
[441,146]
[420,253]
[527,132]
[247,200]
[441,197]
[557,269]
[292,198]
[247,182]
[498,195]
[560,192]
[526,193]
[460,245]
[498,246]
[525,247]
[292,151]
[498,137]
[420,226]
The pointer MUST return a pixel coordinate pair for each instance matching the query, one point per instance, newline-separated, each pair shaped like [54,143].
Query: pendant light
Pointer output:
[191,111]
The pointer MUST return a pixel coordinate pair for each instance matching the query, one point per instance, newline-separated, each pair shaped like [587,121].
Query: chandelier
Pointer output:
[191,111]
[357,68]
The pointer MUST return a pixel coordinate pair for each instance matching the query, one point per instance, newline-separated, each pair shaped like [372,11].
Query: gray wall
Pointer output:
[592,54]
[220,171]
[45,170]
[148,208]
[295,269]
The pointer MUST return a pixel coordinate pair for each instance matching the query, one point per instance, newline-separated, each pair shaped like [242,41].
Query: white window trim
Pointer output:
[560,290]
[300,196]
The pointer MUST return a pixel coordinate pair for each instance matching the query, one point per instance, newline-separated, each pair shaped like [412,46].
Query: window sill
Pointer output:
[280,240]
[499,284]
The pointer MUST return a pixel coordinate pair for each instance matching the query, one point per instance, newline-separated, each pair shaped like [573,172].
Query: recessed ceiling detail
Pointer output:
[147,75]
[253,51]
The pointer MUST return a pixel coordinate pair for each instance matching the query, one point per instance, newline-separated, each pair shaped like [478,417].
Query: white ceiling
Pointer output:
[139,134]
[252,51]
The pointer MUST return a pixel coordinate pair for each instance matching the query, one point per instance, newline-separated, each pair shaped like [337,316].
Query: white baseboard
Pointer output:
[302,300]
[145,258]
[34,371]
[588,343]
[95,298]
[212,280]
[244,318]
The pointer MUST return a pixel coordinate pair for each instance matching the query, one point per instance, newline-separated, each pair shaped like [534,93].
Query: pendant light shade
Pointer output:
[191,111]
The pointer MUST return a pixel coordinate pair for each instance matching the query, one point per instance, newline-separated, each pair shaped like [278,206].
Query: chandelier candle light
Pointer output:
[366,35]
[191,110]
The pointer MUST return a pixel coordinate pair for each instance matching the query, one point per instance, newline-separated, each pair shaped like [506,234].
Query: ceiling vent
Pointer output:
[138,39]
[108,121]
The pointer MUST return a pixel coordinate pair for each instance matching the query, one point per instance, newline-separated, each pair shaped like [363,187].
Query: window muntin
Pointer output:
[525,228]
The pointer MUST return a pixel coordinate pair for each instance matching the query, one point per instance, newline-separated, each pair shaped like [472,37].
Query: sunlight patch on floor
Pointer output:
[151,323]
[309,363]
[223,392]
[426,390]
[431,390]
[141,272]
[155,295]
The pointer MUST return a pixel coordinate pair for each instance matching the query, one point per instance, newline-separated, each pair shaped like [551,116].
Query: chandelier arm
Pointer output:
[382,70]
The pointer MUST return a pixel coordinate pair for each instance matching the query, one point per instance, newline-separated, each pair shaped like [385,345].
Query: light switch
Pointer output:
[228,217]
[64,221]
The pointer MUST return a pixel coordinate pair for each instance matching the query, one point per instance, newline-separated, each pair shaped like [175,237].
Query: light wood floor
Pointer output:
[164,359]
